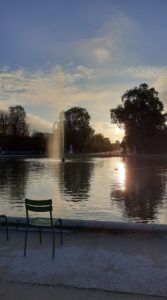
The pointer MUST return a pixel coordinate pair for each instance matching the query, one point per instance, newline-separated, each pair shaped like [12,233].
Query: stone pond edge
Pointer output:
[73,224]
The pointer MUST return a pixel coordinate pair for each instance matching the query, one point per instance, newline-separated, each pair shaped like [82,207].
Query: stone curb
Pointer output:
[98,225]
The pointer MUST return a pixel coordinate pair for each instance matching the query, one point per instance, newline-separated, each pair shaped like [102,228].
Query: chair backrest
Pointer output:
[39,206]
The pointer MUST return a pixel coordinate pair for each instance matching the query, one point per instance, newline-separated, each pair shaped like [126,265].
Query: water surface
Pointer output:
[111,189]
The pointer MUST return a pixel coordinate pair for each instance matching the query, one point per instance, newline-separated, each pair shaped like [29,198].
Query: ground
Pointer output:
[89,265]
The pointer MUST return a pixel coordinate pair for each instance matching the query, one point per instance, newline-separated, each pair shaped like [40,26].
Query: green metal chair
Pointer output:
[43,206]
[5,222]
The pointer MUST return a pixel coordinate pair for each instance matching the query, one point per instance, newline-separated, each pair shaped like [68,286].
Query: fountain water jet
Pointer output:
[56,142]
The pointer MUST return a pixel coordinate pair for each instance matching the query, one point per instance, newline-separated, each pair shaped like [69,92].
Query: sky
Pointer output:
[56,54]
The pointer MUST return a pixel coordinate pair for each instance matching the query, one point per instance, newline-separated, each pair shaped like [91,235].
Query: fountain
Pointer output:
[56,142]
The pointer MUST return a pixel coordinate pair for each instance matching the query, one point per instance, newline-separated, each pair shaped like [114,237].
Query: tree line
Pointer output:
[141,115]
[16,136]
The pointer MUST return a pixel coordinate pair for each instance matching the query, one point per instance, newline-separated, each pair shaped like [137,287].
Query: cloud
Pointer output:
[85,72]
[109,130]
[38,124]
[3,106]
[35,88]
[97,89]
[56,88]
[102,55]
[95,50]
[161,85]
[143,72]
[110,43]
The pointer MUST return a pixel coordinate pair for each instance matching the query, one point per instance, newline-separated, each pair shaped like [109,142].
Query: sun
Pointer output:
[118,133]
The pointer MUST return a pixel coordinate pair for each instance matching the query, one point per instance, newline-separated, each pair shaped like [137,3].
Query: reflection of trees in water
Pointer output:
[143,190]
[75,179]
[13,177]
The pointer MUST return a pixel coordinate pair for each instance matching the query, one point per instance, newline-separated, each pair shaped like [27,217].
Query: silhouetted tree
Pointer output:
[4,123]
[116,146]
[141,115]
[99,143]
[17,121]
[39,141]
[77,128]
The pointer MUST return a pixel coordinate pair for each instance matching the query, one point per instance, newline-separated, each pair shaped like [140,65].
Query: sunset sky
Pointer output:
[55,54]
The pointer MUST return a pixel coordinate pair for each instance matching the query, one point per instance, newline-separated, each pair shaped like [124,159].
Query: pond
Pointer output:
[108,189]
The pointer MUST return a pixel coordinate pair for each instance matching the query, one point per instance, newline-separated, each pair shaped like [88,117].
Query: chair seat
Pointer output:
[41,222]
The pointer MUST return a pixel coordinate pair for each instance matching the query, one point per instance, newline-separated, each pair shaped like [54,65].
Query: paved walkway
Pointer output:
[96,265]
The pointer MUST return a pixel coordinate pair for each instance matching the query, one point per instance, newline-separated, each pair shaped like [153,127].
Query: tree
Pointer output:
[141,115]
[4,121]
[77,128]
[39,141]
[17,121]
[99,143]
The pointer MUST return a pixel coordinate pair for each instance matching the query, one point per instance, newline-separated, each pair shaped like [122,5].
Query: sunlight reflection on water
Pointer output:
[122,175]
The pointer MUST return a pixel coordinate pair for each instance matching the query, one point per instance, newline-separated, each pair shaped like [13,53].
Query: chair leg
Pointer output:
[7,232]
[6,226]
[61,232]
[40,235]
[53,250]
[25,240]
